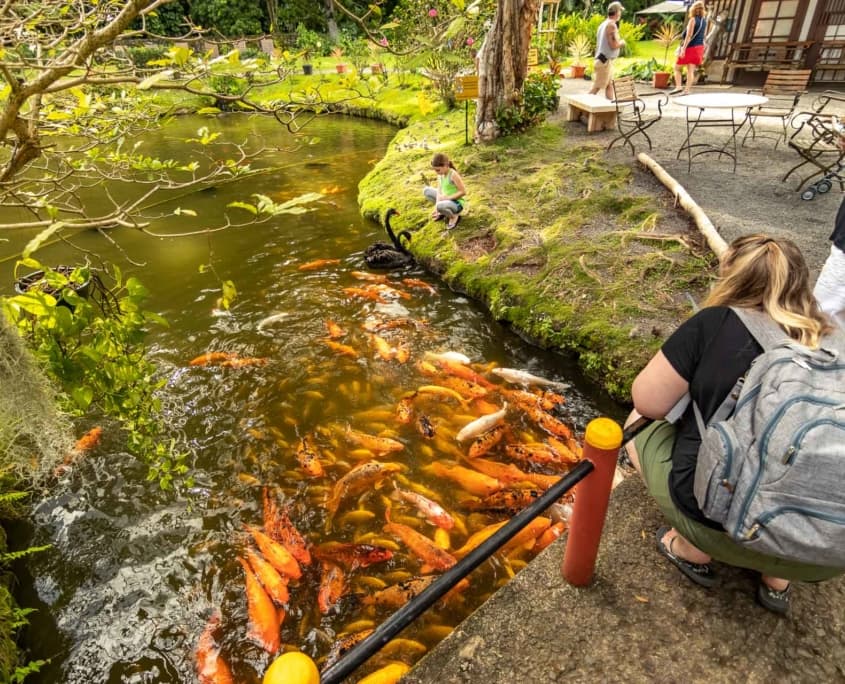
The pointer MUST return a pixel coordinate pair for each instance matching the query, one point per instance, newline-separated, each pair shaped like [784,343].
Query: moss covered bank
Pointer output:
[575,252]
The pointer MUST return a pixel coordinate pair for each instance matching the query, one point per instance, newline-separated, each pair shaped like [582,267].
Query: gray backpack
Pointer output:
[771,467]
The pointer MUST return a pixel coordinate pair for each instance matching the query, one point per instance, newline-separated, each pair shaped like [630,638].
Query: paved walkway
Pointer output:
[641,620]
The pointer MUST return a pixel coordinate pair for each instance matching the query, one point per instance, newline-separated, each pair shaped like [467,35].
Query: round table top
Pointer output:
[720,100]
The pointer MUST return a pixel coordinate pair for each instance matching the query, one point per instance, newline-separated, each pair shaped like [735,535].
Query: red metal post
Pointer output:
[601,446]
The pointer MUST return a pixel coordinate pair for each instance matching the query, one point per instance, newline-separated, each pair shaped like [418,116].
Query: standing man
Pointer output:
[608,43]
[830,287]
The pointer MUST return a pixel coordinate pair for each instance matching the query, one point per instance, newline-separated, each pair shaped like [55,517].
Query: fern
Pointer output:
[7,557]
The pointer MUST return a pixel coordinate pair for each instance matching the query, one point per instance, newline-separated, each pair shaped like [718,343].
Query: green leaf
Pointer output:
[41,238]
[243,205]
[208,110]
[229,293]
[186,212]
[82,397]
[150,81]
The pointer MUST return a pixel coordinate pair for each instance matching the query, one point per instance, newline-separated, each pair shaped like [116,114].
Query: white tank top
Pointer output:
[602,44]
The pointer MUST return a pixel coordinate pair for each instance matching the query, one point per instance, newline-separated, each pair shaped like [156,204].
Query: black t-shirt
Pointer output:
[711,351]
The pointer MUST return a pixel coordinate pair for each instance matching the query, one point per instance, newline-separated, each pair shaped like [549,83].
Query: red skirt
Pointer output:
[692,55]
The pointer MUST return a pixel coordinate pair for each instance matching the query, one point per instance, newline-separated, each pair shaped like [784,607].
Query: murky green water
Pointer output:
[134,573]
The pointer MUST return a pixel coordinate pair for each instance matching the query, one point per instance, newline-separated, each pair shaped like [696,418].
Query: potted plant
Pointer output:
[555,66]
[665,35]
[308,42]
[337,53]
[579,49]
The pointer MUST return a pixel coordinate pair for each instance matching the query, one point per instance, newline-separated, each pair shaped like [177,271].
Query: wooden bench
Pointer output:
[763,56]
[600,112]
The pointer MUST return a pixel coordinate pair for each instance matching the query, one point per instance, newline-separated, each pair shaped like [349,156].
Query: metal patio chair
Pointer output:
[784,88]
[816,140]
[631,115]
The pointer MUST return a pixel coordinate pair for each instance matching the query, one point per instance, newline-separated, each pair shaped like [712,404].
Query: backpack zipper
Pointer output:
[761,450]
[729,453]
[789,456]
[767,517]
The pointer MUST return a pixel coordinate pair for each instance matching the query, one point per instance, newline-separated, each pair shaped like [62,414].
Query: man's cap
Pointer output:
[614,7]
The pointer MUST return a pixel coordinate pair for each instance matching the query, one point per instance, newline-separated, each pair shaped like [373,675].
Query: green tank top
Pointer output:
[447,187]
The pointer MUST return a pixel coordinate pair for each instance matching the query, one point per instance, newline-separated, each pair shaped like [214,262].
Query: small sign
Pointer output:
[533,58]
[466,88]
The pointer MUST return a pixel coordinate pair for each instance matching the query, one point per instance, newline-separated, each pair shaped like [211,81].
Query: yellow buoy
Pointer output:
[292,668]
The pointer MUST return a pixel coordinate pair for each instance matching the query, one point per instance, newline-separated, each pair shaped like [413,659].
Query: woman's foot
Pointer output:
[692,562]
[437,216]
[453,222]
[773,594]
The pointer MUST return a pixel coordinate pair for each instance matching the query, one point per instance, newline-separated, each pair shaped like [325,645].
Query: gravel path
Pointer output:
[751,200]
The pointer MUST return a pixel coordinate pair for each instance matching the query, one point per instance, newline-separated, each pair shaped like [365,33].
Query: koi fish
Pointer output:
[421,546]
[378,445]
[383,348]
[361,293]
[371,277]
[344,349]
[461,371]
[552,533]
[275,585]
[334,330]
[389,291]
[331,190]
[332,586]
[210,358]
[308,459]
[425,427]
[470,480]
[405,409]
[82,446]
[431,510]
[466,388]
[319,263]
[520,377]
[486,441]
[357,480]
[457,357]
[271,320]
[509,501]
[504,472]
[541,454]
[481,425]
[402,354]
[343,645]
[280,528]
[264,620]
[545,421]
[278,556]
[437,390]
[389,674]
[397,595]
[569,450]
[477,538]
[243,363]
[353,556]
[419,284]
[211,668]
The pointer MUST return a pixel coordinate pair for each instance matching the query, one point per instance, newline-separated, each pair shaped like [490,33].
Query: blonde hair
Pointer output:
[770,274]
[697,9]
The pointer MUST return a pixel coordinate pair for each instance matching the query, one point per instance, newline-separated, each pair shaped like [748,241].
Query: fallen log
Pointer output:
[715,241]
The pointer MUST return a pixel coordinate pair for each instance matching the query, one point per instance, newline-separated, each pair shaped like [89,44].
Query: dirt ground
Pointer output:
[752,199]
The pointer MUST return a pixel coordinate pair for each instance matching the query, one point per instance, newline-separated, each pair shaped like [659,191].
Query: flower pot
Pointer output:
[307,69]
[660,79]
[577,70]
[341,68]
[35,281]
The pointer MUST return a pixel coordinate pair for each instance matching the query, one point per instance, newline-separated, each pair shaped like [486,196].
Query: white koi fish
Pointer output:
[520,377]
[271,320]
[457,357]
[481,425]
[431,510]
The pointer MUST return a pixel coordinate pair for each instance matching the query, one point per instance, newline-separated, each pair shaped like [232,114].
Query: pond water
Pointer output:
[134,574]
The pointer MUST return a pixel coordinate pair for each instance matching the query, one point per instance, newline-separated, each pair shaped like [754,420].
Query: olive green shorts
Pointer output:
[654,446]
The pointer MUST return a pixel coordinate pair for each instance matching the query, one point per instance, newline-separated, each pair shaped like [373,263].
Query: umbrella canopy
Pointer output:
[667,7]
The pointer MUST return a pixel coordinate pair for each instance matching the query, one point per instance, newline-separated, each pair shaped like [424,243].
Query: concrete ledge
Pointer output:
[599,111]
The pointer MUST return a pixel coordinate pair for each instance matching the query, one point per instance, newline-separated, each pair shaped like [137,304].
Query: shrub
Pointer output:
[142,54]
[539,96]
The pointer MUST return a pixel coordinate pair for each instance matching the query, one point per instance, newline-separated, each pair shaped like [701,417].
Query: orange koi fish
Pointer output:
[243,363]
[470,480]
[477,538]
[421,546]
[308,460]
[383,348]
[504,472]
[397,595]
[211,668]
[344,349]
[319,263]
[389,674]
[371,277]
[280,528]
[527,535]
[334,330]
[378,445]
[332,586]
[82,446]
[544,420]
[386,289]
[278,556]
[211,358]
[509,501]
[466,388]
[357,480]
[343,645]
[549,400]
[431,510]
[353,556]
[439,391]
[402,354]
[540,454]
[361,293]
[331,190]
[459,370]
[486,441]
[428,369]
[275,585]
[405,409]
[552,533]
[419,284]
[264,620]
[481,425]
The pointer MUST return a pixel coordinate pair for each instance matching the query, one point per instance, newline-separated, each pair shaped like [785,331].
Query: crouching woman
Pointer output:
[705,357]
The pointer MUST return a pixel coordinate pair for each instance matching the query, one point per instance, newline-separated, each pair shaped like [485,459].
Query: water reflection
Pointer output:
[134,573]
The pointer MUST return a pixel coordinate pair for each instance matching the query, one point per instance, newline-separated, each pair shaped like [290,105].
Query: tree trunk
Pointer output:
[503,63]
[331,22]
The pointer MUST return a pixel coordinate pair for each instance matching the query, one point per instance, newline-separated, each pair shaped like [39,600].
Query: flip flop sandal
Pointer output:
[454,222]
[676,91]
[773,600]
[700,573]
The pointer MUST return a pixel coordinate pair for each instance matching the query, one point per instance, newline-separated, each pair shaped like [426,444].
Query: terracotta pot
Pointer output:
[341,68]
[660,79]
[577,70]
[375,68]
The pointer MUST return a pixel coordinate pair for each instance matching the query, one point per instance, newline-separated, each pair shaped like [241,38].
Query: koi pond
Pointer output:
[351,433]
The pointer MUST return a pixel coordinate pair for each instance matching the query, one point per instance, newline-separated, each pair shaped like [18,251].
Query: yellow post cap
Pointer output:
[603,433]
[292,668]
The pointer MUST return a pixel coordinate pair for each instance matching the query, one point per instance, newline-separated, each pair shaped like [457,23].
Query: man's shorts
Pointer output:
[602,71]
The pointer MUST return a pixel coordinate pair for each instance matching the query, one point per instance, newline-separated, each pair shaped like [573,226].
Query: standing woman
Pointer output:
[691,50]
[448,196]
